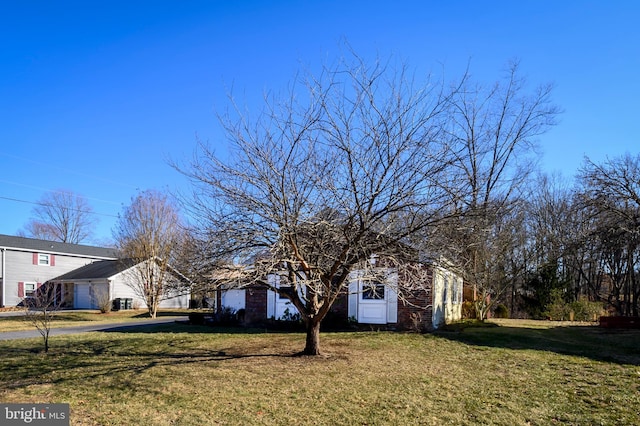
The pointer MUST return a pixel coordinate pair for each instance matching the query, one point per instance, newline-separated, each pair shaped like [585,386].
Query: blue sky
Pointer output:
[95,97]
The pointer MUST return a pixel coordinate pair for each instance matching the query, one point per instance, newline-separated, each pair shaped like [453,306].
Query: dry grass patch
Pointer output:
[187,375]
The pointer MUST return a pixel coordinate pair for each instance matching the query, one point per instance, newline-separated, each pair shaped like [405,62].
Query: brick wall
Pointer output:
[255,305]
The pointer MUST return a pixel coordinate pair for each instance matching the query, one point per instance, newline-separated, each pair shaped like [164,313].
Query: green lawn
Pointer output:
[508,374]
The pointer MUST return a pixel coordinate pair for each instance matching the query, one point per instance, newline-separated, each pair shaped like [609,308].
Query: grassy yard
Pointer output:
[507,374]
[73,318]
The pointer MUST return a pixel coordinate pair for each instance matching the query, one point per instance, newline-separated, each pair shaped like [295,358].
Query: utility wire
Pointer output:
[49,205]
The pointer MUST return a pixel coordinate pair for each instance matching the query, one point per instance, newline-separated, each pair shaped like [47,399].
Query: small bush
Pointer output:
[585,310]
[103,302]
[557,309]
[335,321]
[226,316]
[196,318]
[468,310]
[501,311]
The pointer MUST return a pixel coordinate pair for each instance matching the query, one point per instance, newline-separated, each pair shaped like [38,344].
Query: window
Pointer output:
[288,290]
[373,291]
[456,291]
[44,259]
[29,289]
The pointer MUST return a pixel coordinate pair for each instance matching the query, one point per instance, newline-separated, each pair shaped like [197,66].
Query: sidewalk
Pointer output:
[120,326]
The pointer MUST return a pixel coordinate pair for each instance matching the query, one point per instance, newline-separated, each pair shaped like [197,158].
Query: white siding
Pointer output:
[233,298]
[438,317]
[447,297]
[392,298]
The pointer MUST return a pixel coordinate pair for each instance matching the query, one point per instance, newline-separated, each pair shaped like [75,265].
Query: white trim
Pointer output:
[46,256]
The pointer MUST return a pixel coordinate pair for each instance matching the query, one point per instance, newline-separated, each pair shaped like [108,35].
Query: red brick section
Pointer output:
[255,305]
[415,312]
[620,322]
[341,306]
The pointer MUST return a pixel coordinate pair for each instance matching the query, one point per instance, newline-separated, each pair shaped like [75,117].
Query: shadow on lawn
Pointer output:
[119,358]
[180,326]
[617,346]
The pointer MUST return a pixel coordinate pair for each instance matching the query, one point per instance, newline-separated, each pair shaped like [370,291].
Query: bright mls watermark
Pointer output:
[34,414]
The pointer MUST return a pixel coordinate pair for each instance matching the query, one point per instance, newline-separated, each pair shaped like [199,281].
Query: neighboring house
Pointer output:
[27,263]
[428,304]
[83,273]
[110,280]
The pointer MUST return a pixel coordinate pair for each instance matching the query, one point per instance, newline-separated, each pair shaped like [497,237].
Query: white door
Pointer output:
[82,296]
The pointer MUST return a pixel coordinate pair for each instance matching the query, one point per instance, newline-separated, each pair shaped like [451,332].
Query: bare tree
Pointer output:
[61,216]
[493,131]
[41,307]
[348,165]
[611,192]
[147,234]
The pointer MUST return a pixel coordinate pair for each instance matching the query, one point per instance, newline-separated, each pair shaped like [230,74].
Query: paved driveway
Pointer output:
[122,326]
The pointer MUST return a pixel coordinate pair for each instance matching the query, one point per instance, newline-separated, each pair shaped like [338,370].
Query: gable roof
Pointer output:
[55,247]
[97,270]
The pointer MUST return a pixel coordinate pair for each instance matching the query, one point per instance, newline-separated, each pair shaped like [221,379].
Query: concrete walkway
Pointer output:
[120,326]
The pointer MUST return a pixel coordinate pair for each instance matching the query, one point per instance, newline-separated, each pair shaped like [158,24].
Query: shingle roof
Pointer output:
[97,270]
[43,246]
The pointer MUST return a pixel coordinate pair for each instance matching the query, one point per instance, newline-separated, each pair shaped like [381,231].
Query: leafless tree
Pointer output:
[147,234]
[348,165]
[61,216]
[611,192]
[493,131]
[41,307]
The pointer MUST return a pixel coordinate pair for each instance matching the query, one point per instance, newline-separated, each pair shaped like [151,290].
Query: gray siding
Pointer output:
[19,267]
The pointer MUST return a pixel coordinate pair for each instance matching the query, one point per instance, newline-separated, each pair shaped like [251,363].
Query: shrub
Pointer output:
[501,311]
[196,318]
[226,316]
[468,310]
[557,309]
[335,321]
[103,302]
[585,310]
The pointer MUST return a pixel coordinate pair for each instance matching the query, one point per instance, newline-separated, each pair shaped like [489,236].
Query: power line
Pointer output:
[50,205]
[57,191]
[75,172]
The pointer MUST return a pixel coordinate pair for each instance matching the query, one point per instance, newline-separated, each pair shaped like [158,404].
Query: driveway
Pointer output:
[121,326]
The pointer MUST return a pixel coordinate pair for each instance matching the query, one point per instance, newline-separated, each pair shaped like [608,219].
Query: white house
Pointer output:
[373,298]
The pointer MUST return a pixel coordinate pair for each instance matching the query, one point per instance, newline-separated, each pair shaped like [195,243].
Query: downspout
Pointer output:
[4,278]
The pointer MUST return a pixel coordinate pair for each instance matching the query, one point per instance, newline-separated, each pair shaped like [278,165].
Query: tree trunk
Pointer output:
[312,346]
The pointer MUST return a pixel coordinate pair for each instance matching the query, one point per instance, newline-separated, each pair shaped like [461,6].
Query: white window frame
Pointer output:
[30,292]
[44,259]
[374,291]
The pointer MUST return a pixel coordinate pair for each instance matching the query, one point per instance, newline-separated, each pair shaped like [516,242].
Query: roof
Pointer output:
[97,270]
[55,247]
